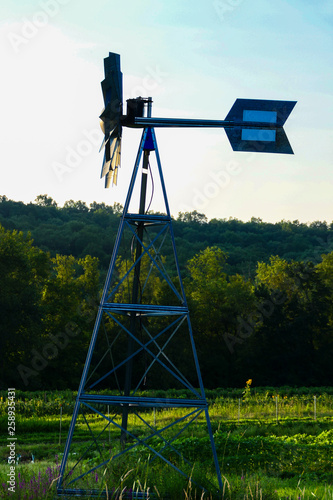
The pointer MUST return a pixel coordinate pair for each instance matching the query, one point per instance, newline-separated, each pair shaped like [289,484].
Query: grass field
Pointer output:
[271,444]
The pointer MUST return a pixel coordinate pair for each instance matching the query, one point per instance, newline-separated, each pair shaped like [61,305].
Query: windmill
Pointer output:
[143,329]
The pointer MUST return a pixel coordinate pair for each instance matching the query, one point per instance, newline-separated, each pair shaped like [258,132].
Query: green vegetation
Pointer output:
[260,295]
[78,230]
[260,458]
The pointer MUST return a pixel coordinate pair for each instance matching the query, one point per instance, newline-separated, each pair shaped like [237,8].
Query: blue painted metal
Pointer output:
[148,351]
[155,432]
[282,109]
[154,345]
[145,252]
[149,143]
[144,347]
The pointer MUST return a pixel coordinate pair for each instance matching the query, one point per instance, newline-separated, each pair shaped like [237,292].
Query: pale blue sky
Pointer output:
[194,58]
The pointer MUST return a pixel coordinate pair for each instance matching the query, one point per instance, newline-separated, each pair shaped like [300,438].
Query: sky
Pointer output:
[195,58]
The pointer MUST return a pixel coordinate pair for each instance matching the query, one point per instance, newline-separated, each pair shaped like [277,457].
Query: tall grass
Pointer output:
[40,483]
[260,457]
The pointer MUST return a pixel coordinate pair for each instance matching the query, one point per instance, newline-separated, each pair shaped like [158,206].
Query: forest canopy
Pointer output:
[77,229]
[260,294]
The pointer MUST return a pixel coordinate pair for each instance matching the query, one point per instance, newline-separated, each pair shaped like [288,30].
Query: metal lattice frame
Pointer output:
[154,345]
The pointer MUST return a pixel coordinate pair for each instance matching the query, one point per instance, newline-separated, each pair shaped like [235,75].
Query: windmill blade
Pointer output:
[112,85]
[112,88]
[111,177]
[111,161]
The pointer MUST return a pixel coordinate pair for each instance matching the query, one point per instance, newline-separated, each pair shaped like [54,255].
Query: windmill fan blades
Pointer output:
[111,176]
[110,156]
[112,88]
[108,134]
[111,160]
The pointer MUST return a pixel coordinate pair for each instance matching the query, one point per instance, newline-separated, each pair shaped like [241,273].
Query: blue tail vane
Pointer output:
[258,140]
[261,110]
[257,126]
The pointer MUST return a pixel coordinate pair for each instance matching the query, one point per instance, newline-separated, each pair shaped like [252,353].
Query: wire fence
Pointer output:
[255,406]
[274,408]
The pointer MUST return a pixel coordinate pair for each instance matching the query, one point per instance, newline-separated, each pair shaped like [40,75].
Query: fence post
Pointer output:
[315,407]
[60,424]
[276,409]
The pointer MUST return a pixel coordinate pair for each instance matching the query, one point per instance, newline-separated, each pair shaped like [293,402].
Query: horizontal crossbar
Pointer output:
[148,217]
[144,309]
[137,401]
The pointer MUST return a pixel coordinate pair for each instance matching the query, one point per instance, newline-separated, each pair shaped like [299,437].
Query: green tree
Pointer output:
[23,272]
[216,301]
[325,270]
[325,339]
[97,206]
[70,301]
[218,298]
[48,307]
[294,312]
[117,208]
[194,216]
[45,201]
[79,205]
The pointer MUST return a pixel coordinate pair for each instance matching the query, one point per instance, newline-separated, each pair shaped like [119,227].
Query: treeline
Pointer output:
[273,323]
[79,230]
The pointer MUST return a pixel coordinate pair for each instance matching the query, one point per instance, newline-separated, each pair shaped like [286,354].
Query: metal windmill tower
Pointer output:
[143,330]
